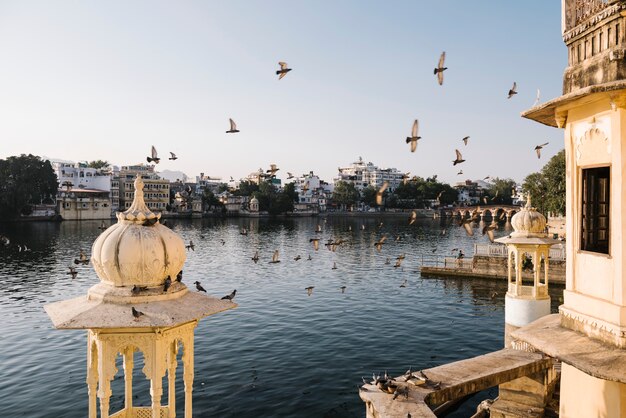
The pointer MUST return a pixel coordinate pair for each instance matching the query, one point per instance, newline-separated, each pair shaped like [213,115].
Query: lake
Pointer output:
[281,353]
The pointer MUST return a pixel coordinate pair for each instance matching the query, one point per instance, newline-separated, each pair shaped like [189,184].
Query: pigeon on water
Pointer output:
[233,127]
[538,149]
[231,296]
[256,257]
[283,70]
[72,272]
[459,158]
[513,90]
[172,156]
[136,313]
[440,68]
[199,287]
[154,156]
[414,137]
[167,284]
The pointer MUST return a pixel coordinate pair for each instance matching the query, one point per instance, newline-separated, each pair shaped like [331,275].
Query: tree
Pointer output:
[345,193]
[98,164]
[368,196]
[546,188]
[501,191]
[25,180]
[209,200]
[246,188]
[290,190]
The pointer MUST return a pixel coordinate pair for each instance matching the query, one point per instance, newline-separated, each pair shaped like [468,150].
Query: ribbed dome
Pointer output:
[137,250]
[528,223]
[254,200]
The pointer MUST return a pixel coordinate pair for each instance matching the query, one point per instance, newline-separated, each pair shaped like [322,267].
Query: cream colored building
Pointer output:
[157,190]
[83,204]
[589,333]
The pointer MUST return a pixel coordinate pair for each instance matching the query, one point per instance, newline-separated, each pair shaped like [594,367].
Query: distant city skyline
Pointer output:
[91,80]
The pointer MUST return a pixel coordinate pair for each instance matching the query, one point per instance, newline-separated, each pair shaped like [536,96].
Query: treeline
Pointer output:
[25,181]
[547,187]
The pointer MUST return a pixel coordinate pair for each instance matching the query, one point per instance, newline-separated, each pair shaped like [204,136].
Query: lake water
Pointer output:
[281,353]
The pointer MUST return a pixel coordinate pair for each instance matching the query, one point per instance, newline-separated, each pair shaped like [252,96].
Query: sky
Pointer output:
[87,80]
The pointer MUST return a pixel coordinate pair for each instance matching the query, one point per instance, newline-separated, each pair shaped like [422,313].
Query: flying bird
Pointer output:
[404,283]
[136,313]
[538,149]
[379,193]
[190,246]
[440,68]
[488,229]
[459,158]
[233,127]
[309,290]
[273,169]
[231,296]
[537,98]
[316,243]
[379,243]
[465,139]
[414,137]
[296,258]
[82,258]
[343,289]
[102,226]
[413,216]
[275,258]
[154,156]
[460,173]
[255,258]
[283,70]
[513,90]
[289,175]
[334,265]
[172,156]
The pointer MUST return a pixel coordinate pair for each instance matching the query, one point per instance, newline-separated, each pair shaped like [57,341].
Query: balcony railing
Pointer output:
[499,250]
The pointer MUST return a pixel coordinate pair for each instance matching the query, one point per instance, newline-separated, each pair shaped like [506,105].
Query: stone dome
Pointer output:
[137,250]
[528,223]
[254,200]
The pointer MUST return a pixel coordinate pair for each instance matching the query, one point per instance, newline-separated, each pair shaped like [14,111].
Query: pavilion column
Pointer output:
[518,272]
[129,363]
[188,375]
[106,372]
[171,378]
[536,270]
[92,375]
[156,380]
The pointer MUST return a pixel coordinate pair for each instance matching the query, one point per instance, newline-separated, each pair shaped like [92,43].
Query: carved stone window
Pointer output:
[595,222]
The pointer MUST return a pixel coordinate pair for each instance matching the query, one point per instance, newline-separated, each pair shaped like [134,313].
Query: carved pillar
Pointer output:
[92,374]
[188,373]
[128,377]
[536,271]
[171,378]
[106,371]
[518,271]
[156,380]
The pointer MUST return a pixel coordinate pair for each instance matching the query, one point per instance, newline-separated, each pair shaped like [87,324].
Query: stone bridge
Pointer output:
[487,211]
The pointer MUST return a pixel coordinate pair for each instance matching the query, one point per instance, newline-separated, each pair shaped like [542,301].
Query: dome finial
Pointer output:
[138,211]
[528,205]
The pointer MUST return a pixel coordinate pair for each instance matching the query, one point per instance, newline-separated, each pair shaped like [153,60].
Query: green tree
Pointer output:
[546,188]
[345,193]
[368,196]
[290,190]
[98,164]
[25,180]
[210,201]
[501,191]
[246,188]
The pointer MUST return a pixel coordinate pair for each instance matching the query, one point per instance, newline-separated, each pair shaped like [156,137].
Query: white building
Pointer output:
[363,174]
[81,176]
[312,192]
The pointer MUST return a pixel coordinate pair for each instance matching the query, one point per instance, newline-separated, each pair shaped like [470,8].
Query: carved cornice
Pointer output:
[584,26]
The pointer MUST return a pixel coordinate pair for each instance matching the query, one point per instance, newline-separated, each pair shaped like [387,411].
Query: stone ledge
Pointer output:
[580,351]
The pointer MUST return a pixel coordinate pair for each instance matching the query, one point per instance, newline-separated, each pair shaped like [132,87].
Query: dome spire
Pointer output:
[138,212]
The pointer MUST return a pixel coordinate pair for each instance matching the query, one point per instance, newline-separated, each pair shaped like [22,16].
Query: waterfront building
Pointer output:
[313,193]
[589,333]
[470,192]
[84,192]
[211,184]
[157,196]
[138,308]
[363,174]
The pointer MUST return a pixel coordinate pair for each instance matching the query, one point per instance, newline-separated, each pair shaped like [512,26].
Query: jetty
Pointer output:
[489,261]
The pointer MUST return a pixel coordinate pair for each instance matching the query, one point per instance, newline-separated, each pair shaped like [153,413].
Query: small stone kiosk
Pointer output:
[526,303]
[138,261]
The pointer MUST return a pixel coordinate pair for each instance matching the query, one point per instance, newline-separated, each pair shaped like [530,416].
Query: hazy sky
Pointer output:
[86,80]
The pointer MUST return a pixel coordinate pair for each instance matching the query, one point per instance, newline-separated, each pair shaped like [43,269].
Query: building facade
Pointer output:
[156,189]
[363,174]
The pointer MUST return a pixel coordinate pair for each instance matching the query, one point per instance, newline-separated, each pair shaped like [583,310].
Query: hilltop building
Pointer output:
[363,174]
[157,194]
[471,192]
[313,193]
